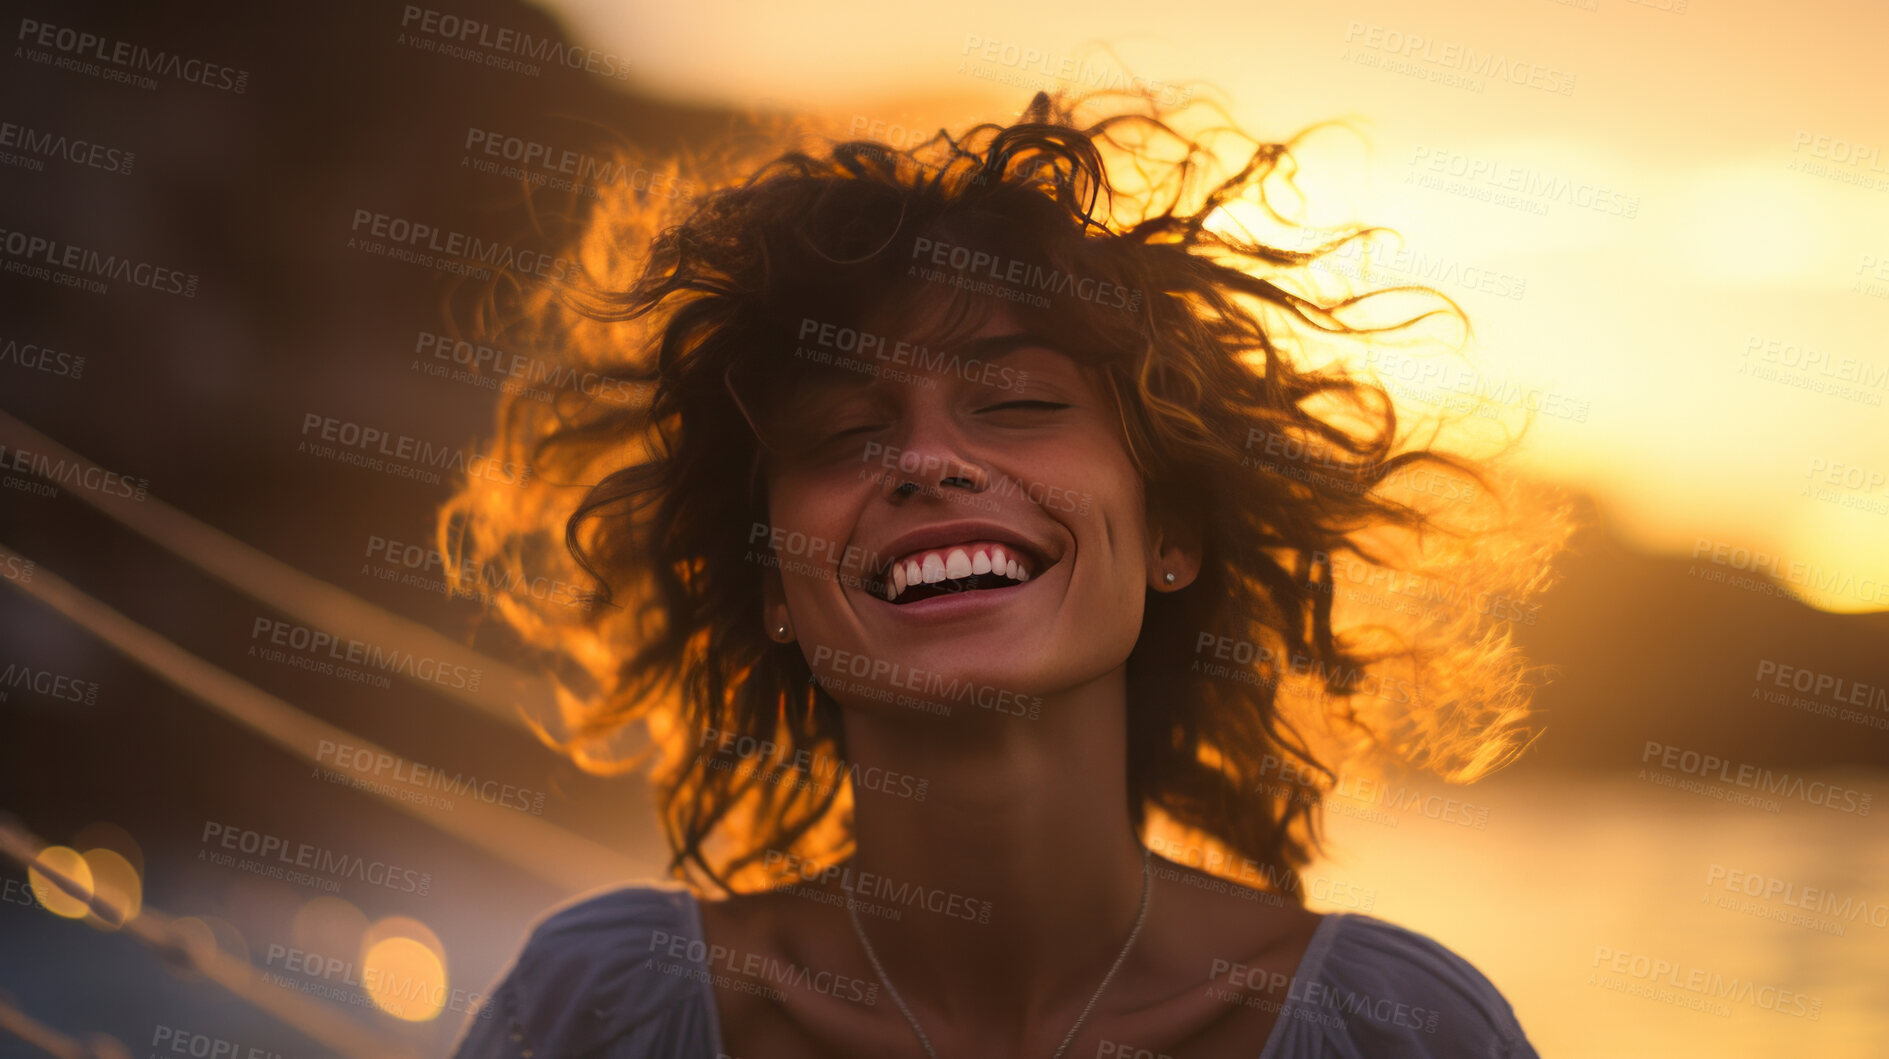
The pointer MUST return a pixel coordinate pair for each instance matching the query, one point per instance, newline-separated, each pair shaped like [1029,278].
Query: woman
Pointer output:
[983,534]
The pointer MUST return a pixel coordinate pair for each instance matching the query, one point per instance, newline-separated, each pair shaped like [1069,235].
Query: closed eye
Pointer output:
[1046,405]
[866,428]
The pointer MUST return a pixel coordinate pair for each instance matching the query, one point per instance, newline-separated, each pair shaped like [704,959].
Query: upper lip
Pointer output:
[942,534]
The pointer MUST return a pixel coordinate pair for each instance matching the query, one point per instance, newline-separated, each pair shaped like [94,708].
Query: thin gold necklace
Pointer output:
[1147,890]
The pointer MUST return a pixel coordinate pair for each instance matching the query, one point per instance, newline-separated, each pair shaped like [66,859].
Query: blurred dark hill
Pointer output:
[1653,648]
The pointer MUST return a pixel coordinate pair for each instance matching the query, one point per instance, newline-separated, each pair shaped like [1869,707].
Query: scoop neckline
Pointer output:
[1310,962]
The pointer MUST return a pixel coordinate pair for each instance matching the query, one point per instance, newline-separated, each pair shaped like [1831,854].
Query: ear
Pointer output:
[1173,549]
[776,623]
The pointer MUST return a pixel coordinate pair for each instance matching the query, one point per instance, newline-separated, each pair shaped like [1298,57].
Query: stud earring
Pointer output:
[780,631]
[1169,577]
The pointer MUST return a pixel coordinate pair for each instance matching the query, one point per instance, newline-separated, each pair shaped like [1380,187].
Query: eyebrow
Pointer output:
[991,347]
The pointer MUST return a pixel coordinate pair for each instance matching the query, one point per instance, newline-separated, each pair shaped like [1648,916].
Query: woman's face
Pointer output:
[941,461]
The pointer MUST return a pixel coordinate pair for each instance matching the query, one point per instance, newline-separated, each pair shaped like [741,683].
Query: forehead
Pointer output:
[932,343]
[861,360]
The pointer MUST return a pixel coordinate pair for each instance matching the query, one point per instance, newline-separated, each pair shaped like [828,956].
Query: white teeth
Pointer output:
[934,566]
[957,564]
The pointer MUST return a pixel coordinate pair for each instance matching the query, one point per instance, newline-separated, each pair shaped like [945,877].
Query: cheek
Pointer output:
[1112,493]
[1089,471]
[1110,581]
[1119,560]
[810,522]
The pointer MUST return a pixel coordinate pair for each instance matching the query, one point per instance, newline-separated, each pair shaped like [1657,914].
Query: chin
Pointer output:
[951,680]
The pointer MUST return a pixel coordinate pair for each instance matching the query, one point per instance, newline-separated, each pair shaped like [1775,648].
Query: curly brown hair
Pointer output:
[1297,478]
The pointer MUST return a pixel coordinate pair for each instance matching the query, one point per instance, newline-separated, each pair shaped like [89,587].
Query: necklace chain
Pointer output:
[1147,870]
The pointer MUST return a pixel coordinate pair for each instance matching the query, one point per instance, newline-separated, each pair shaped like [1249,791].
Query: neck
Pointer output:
[1024,828]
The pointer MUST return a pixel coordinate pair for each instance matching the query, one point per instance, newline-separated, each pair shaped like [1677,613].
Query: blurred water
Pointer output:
[1568,873]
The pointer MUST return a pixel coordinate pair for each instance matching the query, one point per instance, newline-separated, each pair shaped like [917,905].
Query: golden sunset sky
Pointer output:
[1668,220]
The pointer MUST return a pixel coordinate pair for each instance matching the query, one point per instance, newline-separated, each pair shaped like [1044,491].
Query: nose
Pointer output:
[933,457]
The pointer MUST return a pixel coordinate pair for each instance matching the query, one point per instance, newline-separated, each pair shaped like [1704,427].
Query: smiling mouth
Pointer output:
[970,567]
